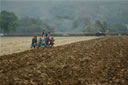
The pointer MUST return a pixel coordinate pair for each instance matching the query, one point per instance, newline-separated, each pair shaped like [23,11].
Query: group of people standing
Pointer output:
[44,40]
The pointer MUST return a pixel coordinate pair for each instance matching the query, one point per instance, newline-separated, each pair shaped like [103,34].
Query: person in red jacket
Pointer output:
[47,39]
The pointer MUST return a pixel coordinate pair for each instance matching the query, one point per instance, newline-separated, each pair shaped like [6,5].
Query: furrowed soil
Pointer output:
[102,61]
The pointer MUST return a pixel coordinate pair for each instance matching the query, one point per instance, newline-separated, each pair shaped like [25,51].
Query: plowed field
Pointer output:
[102,61]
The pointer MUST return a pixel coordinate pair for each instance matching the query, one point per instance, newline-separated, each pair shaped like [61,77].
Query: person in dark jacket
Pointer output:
[34,41]
[39,42]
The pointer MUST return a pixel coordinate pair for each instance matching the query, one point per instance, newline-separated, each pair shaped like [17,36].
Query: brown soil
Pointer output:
[102,61]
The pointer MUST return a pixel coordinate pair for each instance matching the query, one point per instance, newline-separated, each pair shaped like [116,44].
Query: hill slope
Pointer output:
[99,61]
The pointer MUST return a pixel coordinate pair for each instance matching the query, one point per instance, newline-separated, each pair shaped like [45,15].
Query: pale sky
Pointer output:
[63,0]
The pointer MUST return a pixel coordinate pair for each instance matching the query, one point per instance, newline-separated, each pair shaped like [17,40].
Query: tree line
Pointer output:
[10,22]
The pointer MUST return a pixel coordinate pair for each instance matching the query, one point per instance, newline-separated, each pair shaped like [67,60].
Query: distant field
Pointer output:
[9,45]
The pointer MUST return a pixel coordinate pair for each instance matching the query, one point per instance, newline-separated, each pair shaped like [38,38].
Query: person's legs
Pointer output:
[32,45]
[46,43]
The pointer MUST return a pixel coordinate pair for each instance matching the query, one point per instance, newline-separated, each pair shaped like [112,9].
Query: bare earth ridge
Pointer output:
[102,61]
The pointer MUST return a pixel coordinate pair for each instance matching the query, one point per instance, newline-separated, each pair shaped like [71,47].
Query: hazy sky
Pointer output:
[63,0]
